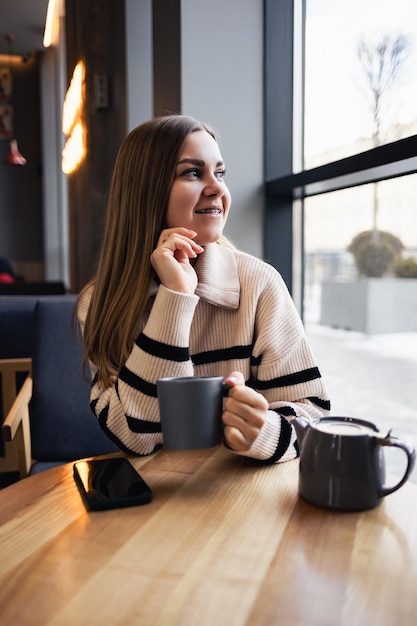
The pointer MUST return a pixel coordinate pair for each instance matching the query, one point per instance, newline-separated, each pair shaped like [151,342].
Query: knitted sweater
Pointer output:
[241,317]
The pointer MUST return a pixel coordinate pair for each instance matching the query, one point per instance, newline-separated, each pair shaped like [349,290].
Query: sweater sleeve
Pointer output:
[284,370]
[128,410]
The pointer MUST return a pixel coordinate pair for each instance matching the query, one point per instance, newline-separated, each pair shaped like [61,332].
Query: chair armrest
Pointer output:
[8,371]
[16,427]
[16,414]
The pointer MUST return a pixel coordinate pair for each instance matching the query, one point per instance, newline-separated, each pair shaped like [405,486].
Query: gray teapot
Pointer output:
[342,464]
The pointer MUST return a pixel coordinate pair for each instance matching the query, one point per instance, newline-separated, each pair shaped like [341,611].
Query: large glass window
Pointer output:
[364,330]
[360,76]
[334,219]
[353,192]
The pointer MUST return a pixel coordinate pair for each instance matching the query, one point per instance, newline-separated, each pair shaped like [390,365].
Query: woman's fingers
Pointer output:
[171,238]
[167,232]
[244,413]
[177,245]
[236,440]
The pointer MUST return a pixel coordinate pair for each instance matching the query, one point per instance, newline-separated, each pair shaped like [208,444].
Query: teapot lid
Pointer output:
[347,426]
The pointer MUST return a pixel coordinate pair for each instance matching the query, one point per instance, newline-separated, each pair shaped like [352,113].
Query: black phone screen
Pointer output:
[110,483]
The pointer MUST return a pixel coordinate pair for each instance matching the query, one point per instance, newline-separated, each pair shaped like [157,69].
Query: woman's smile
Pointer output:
[210,211]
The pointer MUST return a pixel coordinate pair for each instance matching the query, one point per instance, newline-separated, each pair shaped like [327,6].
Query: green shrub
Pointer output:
[405,268]
[375,252]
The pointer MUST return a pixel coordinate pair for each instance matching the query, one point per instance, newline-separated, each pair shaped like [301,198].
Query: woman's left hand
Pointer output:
[244,413]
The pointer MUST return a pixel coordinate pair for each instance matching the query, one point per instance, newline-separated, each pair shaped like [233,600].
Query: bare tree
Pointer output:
[381,61]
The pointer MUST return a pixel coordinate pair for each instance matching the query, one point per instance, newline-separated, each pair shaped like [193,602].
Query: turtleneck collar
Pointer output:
[218,279]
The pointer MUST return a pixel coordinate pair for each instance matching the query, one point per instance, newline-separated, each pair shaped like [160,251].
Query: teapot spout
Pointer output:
[301,425]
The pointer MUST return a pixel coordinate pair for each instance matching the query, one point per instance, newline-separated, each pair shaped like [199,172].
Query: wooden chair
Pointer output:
[10,369]
[16,324]
[50,419]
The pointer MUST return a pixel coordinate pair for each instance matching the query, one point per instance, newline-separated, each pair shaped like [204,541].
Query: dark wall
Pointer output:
[21,227]
[95,34]
[166,56]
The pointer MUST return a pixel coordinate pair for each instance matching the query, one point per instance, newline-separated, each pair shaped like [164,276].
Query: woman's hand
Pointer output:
[244,414]
[171,259]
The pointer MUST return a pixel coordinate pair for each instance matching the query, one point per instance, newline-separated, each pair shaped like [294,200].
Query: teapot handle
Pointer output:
[411,459]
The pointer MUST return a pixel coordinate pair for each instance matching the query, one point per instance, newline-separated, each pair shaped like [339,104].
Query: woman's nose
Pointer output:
[213,187]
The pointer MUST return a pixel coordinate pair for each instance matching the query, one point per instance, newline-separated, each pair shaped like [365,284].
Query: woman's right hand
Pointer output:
[171,259]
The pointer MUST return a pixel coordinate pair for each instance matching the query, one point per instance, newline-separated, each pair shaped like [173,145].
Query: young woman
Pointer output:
[172,297]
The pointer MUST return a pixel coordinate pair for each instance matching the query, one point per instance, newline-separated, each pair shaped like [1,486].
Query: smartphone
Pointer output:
[110,484]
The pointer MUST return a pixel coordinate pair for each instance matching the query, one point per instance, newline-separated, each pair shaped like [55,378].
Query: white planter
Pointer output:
[370,305]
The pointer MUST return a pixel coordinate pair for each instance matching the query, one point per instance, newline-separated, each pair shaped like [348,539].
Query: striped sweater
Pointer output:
[241,317]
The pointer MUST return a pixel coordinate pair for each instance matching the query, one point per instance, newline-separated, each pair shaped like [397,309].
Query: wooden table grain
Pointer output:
[224,542]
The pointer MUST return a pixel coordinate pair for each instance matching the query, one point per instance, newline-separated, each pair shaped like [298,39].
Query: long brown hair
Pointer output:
[138,198]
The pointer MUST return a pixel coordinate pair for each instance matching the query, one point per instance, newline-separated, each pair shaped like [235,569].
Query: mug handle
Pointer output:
[225,390]
[411,459]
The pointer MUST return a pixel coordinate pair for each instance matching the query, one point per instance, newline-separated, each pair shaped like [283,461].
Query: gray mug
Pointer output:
[342,462]
[191,410]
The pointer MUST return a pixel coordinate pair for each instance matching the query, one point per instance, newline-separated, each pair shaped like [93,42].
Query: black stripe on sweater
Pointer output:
[288,380]
[102,420]
[323,404]
[162,350]
[138,383]
[225,354]
[283,442]
[137,425]
[287,411]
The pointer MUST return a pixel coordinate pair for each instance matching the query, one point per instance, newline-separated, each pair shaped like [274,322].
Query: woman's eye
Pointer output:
[193,172]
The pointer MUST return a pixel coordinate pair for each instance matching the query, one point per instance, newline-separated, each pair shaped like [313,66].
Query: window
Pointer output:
[360,76]
[341,161]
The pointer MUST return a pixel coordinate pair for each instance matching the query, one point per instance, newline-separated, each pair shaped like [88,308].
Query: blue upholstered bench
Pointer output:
[62,425]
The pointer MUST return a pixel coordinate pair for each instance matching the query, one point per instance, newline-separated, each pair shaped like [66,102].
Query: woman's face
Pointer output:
[199,199]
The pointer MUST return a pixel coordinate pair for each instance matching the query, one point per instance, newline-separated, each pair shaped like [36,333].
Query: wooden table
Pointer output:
[225,542]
